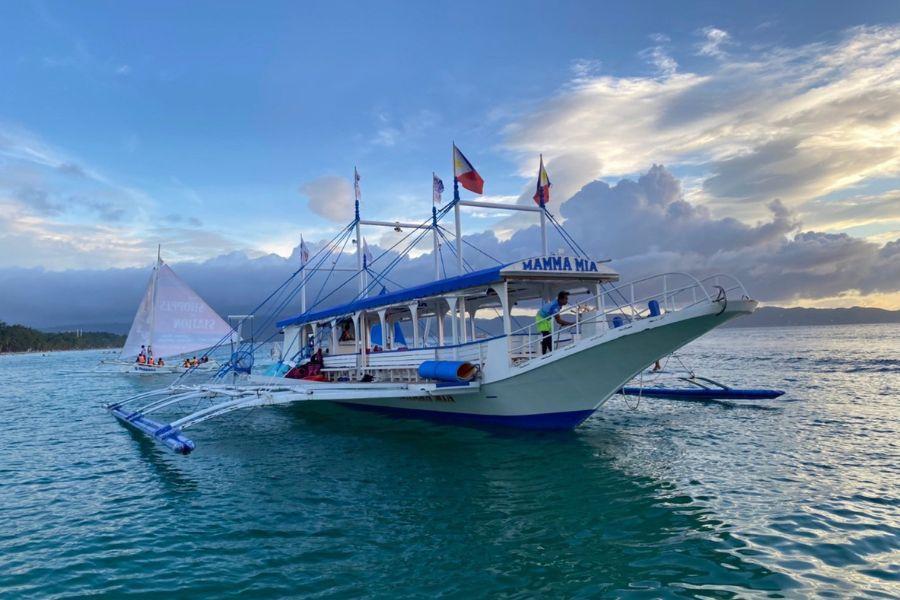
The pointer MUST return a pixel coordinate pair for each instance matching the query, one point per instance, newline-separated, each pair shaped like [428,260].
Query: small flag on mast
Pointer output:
[465,173]
[357,193]
[437,189]
[542,193]
[304,251]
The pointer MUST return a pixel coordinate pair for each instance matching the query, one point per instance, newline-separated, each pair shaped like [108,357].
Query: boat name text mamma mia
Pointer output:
[560,263]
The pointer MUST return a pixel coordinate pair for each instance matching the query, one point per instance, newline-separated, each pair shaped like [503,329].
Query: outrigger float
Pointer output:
[419,351]
[702,389]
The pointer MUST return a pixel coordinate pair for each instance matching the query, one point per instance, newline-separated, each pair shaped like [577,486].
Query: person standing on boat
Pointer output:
[542,320]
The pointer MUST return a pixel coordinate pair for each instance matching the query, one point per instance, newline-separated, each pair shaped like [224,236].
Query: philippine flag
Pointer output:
[542,193]
[465,173]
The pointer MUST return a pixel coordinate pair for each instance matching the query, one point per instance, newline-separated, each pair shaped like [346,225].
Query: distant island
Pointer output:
[776,316]
[18,338]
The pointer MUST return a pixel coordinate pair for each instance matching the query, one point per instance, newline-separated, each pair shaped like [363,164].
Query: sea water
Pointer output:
[792,498]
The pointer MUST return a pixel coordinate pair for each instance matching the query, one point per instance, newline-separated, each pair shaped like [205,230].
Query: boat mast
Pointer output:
[302,278]
[359,256]
[153,294]
[459,255]
[437,242]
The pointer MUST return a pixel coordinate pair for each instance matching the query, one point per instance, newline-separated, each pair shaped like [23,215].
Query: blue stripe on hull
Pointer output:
[560,420]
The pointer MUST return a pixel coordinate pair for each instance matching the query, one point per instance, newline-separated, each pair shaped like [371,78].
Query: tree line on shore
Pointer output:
[18,338]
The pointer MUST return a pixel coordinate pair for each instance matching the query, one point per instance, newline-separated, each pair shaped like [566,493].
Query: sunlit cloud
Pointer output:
[794,123]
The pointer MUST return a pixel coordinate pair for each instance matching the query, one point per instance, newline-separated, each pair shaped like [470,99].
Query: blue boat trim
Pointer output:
[549,421]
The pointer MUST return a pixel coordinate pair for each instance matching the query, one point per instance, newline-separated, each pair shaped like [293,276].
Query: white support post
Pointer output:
[601,308]
[356,338]
[454,319]
[414,312]
[503,293]
[334,337]
[384,336]
[439,319]
[461,307]
[459,254]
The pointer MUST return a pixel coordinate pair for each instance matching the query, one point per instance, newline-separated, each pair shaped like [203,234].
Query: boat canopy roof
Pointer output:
[564,271]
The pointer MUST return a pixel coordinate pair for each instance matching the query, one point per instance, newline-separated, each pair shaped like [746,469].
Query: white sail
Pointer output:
[173,319]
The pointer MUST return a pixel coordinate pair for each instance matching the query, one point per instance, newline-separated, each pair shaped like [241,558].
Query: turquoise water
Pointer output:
[660,499]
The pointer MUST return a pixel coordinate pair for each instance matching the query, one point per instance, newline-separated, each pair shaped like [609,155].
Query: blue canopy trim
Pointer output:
[427,290]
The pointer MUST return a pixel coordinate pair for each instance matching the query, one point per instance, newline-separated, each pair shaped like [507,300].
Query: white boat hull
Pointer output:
[558,391]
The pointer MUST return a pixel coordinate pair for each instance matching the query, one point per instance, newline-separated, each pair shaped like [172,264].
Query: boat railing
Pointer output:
[729,283]
[619,305]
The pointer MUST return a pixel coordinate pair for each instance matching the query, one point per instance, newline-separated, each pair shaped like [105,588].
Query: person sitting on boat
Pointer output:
[194,362]
[346,332]
[187,363]
[141,359]
[160,362]
[204,360]
[542,320]
[150,361]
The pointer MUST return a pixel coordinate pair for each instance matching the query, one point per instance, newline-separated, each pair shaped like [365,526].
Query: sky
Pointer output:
[757,138]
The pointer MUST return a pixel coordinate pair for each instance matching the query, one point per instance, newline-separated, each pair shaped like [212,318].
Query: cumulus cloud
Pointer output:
[713,40]
[330,197]
[645,225]
[797,123]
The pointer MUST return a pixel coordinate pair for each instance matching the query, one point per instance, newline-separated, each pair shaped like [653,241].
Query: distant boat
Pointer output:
[172,322]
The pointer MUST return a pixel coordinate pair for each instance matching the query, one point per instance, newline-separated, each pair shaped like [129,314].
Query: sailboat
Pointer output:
[172,321]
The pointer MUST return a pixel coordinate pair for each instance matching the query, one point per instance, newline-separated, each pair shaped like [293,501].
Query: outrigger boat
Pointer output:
[418,352]
[172,321]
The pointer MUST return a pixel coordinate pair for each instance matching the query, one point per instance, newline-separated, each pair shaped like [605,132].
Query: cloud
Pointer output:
[660,59]
[854,212]
[330,197]
[645,225]
[58,212]
[413,127]
[790,122]
[713,41]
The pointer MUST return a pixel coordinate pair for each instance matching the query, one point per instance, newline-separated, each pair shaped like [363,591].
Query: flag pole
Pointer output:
[545,249]
[302,278]
[359,264]
[459,255]
[434,232]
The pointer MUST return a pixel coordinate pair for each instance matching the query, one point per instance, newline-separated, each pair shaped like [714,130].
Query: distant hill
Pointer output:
[18,338]
[776,316]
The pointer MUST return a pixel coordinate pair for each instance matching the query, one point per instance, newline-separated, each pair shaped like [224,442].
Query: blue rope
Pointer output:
[279,289]
[473,246]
